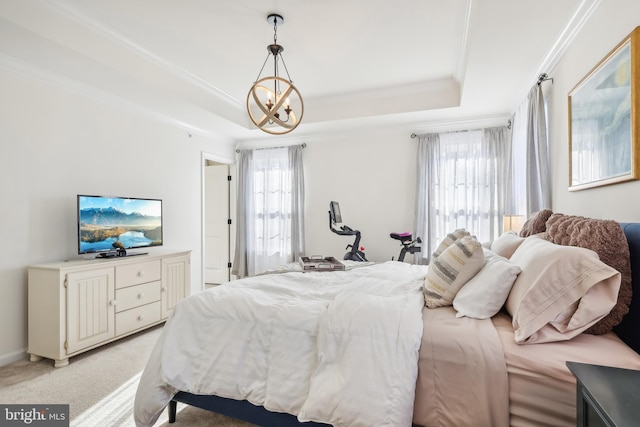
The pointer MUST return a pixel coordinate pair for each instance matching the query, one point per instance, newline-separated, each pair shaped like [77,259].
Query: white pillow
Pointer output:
[451,270]
[506,244]
[484,295]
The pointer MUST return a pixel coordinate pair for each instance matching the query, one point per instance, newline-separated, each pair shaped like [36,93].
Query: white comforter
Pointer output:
[333,347]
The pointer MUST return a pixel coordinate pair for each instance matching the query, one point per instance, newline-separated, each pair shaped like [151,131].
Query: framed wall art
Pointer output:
[604,126]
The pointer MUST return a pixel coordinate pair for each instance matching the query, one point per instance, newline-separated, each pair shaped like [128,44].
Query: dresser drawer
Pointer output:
[140,272]
[134,296]
[136,318]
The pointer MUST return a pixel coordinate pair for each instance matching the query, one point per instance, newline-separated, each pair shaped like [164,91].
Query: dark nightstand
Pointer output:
[606,396]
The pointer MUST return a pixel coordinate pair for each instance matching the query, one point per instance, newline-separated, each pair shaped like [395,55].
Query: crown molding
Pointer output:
[461,68]
[575,24]
[562,43]
[46,77]
[117,38]
[463,124]
[581,15]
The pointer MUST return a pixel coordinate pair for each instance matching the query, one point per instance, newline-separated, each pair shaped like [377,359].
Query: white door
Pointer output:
[216,227]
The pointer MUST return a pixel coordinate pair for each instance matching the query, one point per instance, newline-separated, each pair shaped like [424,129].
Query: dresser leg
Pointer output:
[35,358]
[60,363]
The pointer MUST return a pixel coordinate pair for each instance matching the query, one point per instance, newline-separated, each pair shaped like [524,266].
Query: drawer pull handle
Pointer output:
[140,273]
[164,289]
[140,295]
[112,303]
[141,317]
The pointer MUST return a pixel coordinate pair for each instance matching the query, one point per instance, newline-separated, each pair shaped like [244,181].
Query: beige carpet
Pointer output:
[99,386]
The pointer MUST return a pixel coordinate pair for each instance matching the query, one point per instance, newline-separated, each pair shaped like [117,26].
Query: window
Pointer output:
[461,182]
[270,209]
[272,204]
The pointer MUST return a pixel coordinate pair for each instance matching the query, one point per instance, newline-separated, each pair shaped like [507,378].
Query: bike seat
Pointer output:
[403,237]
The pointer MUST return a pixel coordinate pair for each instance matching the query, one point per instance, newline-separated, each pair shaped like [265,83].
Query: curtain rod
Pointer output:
[543,78]
[508,126]
[303,145]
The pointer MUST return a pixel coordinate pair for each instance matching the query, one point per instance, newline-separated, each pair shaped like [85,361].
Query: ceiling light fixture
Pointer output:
[274,103]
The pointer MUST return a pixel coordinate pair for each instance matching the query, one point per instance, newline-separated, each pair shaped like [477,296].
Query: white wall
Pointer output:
[55,144]
[611,22]
[372,175]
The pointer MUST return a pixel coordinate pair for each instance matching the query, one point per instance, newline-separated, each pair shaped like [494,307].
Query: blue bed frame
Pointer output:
[627,330]
[239,409]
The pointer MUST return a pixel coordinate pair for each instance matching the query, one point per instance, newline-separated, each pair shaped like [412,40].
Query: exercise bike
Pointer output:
[355,252]
[408,245]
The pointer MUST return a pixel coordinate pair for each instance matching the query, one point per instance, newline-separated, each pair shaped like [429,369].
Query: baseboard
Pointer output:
[7,359]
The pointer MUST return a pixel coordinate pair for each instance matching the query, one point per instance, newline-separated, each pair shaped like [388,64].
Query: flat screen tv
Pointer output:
[108,226]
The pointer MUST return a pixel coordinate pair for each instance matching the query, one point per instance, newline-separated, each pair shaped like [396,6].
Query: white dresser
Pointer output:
[78,305]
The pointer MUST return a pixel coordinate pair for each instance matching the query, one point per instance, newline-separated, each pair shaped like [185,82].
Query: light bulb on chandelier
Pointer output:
[269,99]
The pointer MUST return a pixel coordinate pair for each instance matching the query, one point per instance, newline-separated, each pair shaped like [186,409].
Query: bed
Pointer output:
[368,349]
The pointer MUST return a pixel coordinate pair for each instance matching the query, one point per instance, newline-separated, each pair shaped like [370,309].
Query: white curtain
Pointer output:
[270,229]
[426,217]
[516,197]
[461,184]
[538,172]
[529,188]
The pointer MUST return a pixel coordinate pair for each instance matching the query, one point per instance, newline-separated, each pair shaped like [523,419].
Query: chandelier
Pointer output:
[274,103]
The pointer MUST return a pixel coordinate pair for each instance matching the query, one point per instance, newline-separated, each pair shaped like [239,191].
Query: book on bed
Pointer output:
[320,263]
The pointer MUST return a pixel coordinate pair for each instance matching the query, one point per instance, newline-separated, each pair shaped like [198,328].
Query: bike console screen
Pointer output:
[334,211]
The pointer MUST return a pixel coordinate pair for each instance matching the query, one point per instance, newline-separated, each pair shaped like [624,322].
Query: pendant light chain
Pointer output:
[275,31]
[276,85]
[275,41]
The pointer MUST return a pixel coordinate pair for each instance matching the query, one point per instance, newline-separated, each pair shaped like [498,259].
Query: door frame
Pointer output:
[204,158]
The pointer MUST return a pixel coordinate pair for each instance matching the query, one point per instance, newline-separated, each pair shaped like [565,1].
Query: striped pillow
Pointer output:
[451,270]
[448,241]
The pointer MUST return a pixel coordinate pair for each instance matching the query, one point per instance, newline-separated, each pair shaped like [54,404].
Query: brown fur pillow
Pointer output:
[536,223]
[607,239]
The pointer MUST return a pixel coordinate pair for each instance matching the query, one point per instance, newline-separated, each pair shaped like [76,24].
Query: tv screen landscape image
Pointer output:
[116,223]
